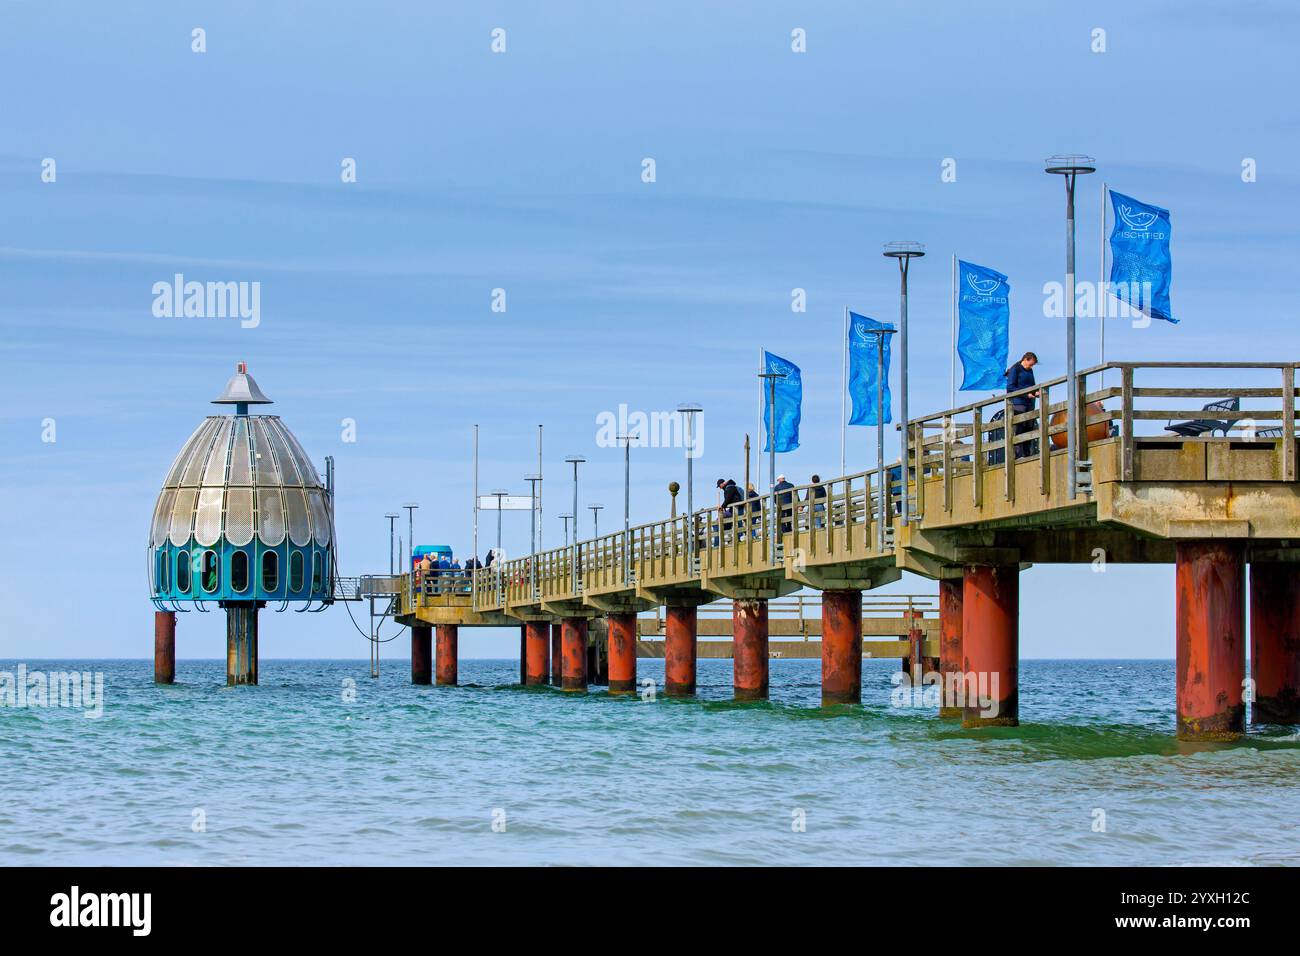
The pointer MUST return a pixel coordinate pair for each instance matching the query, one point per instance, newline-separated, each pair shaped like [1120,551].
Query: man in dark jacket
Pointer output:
[731,494]
[1021,376]
[785,501]
[817,495]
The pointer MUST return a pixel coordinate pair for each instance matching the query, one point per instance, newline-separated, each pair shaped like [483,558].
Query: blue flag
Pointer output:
[865,381]
[1140,267]
[789,399]
[983,324]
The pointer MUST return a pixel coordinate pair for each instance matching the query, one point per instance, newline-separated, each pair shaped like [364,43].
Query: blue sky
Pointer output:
[522,171]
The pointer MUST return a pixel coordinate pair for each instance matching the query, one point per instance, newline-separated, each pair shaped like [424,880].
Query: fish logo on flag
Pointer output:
[865,360]
[1140,265]
[984,323]
[789,402]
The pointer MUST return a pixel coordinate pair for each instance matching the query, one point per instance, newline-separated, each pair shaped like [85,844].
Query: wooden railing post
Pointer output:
[1044,442]
[1126,423]
[1081,429]
[1288,470]
[947,462]
[1008,450]
[977,457]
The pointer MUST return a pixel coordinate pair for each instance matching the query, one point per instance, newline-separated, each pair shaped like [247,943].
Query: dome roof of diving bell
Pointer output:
[240,476]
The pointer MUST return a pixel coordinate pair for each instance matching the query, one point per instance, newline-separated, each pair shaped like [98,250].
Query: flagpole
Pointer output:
[844,387]
[759,456]
[1101,284]
[473,578]
[952,358]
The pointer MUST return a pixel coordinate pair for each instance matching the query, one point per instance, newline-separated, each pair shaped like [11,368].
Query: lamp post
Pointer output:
[1070,166]
[882,477]
[904,252]
[595,519]
[627,506]
[538,502]
[770,378]
[575,461]
[392,517]
[410,507]
[673,488]
[566,519]
[473,575]
[690,410]
[498,494]
[533,481]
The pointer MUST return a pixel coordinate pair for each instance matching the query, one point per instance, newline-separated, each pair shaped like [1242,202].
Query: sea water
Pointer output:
[321,764]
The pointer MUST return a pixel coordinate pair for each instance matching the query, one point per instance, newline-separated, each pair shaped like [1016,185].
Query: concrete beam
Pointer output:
[525,613]
[675,596]
[574,609]
[460,617]
[843,577]
[744,587]
[993,557]
[626,603]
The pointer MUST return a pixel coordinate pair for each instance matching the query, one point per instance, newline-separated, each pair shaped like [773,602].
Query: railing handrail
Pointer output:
[498,584]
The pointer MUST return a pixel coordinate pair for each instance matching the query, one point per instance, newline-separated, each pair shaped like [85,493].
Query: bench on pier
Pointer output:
[1208,426]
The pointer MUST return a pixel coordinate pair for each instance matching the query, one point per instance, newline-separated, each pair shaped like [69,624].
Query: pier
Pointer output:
[989,497]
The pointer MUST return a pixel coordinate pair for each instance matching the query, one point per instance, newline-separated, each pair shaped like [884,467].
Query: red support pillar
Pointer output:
[164,647]
[1211,654]
[538,653]
[573,640]
[1275,642]
[622,653]
[557,654]
[679,650]
[421,654]
[749,648]
[991,645]
[950,650]
[445,658]
[841,647]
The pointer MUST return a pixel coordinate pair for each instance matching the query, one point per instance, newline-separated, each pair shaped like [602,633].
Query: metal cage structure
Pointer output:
[243,515]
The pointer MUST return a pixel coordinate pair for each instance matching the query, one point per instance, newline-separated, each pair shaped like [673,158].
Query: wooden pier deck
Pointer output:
[1227,497]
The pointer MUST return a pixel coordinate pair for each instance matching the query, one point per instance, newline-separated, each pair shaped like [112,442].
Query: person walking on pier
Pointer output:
[784,501]
[753,507]
[731,495]
[817,498]
[423,571]
[1021,376]
[443,572]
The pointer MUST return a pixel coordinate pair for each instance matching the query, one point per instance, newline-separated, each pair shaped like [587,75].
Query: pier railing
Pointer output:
[1124,403]
[836,516]
[978,439]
